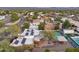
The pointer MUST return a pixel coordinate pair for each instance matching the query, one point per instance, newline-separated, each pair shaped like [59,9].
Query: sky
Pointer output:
[39,3]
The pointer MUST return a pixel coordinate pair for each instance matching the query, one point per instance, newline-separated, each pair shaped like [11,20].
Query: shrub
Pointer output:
[14,17]
[1,23]
[72,50]
[41,26]
[47,50]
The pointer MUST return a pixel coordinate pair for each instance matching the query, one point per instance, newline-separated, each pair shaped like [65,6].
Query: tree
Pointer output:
[57,26]
[24,48]
[72,50]
[49,34]
[58,19]
[14,17]
[1,23]
[41,26]
[26,25]
[47,50]
[14,30]
[66,24]
[34,17]
[2,12]
[4,46]
[6,11]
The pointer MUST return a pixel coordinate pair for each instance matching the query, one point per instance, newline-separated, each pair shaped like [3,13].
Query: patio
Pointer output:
[52,46]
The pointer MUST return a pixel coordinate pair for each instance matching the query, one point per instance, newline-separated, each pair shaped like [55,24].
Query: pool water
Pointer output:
[76,40]
[57,34]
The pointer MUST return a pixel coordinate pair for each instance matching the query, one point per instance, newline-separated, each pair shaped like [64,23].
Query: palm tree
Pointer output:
[49,35]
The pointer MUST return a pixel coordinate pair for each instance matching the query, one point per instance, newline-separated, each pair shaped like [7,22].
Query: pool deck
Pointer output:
[56,48]
[59,37]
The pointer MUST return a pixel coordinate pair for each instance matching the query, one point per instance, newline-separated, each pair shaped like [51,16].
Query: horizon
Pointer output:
[50,8]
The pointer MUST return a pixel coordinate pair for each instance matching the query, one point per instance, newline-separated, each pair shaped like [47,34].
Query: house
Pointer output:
[66,18]
[68,31]
[77,29]
[20,41]
[27,37]
[34,24]
[74,22]
[7,18]
[39,17]
[70,16]
[52,19]
[31,13]
[2,17]
[41,20]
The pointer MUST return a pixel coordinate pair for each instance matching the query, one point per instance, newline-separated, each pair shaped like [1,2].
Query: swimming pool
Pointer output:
[60,37]
[76,40]
[58,34]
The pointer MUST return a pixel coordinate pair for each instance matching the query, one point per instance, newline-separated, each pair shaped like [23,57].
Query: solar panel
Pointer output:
[27,33]
[23,41]
[16,42]
[28,30]
[32,32]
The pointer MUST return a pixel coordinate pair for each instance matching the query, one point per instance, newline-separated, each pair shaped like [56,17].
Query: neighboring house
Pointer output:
[76,23]
[31,13]
[41,20]
[77,29]
[39,17]
[52,19]
[60,25]
[70,16]
[68,31]
[2,17]
[42,14]
[66,18]
[7,18]
[34,24]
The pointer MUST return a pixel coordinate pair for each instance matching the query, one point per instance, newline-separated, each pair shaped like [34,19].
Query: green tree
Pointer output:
[6,11]
[41,26]
[34,17]
[14,30]
[49,34]
[26,25]
[66,24]
[57,26]
[1,23]
[5,46]
[58,19]
[14,17]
